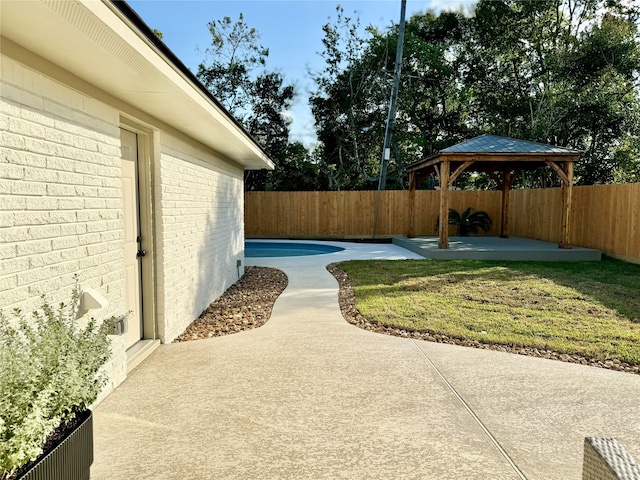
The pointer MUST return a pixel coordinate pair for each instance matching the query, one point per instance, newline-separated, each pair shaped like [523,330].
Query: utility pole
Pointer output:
[388,133]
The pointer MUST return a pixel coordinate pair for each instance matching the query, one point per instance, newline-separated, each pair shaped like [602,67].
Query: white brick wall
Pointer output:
[61,209]
[60,196]
[200,232]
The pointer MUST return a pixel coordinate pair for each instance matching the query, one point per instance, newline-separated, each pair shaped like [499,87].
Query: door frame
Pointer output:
[146,220]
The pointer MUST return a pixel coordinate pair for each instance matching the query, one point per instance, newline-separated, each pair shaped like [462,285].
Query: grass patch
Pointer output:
[587,308]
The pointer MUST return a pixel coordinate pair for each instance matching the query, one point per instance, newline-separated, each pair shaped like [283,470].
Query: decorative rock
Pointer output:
[245,305]
[346,297]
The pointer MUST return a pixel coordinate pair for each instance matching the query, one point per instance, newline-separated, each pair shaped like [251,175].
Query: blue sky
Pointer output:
[290,29]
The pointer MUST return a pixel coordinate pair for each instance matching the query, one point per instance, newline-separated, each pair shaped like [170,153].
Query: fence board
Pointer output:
[606,217]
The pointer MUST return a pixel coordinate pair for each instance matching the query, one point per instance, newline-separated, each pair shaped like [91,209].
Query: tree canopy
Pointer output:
[564,72]
[236,74]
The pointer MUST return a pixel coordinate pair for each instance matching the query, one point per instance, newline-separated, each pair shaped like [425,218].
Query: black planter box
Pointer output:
[70,459]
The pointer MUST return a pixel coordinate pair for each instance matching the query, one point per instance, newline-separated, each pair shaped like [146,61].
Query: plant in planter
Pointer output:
[469,222]
[50,373]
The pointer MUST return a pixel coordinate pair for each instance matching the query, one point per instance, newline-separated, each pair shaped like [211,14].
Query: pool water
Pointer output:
[273,249]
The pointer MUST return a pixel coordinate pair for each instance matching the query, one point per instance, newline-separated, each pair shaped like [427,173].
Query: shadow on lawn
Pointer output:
[614,284]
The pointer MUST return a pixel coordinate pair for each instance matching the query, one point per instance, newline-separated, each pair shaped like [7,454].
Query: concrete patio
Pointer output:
[309,396]
[496,248]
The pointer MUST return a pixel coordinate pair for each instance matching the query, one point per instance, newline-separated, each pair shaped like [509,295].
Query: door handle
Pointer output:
[141,253]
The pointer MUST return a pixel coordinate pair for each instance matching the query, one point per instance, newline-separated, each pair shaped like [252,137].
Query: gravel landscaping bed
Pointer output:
[245,305]
[346,298]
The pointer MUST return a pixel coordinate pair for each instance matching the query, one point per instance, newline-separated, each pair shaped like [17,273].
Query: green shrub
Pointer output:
[50,369]
[469,222]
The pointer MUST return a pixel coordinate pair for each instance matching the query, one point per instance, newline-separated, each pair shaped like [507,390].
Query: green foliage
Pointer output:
[258,98]
[351,100]
[297,170]
[563,72]
[469,222]
[556,72]
[50,369]
[235,54]
[551,71]
[627,160]
[267,123]
[349,120]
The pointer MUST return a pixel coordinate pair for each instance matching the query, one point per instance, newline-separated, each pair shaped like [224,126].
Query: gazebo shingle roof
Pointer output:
[495,144]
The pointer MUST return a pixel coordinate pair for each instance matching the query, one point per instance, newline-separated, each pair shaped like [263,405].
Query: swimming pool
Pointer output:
[275,249]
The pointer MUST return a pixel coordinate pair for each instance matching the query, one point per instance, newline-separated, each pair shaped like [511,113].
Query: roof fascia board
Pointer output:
[94,42]
[141,38]
[139,27]
[55,72]
[427,162]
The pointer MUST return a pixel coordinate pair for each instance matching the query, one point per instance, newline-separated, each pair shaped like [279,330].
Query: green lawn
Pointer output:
[590,308]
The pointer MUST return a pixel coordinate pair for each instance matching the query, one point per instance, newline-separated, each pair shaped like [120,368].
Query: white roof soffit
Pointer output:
[96,42]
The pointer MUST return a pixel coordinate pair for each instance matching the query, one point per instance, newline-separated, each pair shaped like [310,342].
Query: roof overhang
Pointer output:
[108,46]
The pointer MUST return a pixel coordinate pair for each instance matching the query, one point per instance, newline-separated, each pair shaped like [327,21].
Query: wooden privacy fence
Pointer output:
[350,214]
[606,217]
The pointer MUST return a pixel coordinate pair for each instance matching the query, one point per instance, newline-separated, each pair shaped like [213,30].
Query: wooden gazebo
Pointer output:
[502,159]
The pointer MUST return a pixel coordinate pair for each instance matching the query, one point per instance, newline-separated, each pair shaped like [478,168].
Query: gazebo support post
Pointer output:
[495,155]
[504,215]
[444,205]
[412,204]
[567,188]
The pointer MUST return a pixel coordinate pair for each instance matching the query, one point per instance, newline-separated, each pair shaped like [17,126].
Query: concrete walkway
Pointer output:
[309,396]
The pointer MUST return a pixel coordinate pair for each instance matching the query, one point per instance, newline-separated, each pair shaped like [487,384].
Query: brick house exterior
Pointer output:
[76,79]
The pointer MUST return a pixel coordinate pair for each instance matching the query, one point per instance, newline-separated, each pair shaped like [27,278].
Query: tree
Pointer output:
[297,170]
[235,54]
[341,119]
[564,72]
[259,99]
[627,159]
[559,72]
[432,99]
[351,100]
[604,70]
[268,124]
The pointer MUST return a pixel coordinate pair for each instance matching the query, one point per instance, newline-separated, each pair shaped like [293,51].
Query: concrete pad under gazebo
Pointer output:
[496,248]
[502,159]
